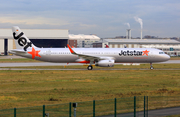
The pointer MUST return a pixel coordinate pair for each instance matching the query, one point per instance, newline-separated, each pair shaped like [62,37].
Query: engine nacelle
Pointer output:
[105,63]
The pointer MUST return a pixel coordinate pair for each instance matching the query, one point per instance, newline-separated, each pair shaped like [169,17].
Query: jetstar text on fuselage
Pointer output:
[132,53]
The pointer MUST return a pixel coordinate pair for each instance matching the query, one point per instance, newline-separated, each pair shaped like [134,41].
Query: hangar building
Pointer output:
[171,47]
[53,38]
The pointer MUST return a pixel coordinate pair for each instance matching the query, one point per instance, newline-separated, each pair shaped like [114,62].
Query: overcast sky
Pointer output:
[105,18]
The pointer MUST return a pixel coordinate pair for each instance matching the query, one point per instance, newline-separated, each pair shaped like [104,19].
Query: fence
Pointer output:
[121,107]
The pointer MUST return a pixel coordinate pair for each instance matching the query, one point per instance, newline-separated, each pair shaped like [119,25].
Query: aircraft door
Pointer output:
[151,54]
[48,54]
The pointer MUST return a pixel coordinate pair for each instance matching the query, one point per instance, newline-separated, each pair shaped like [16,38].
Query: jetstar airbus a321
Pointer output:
[102,57]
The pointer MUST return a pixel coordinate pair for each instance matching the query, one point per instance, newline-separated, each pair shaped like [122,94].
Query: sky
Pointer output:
[105,18]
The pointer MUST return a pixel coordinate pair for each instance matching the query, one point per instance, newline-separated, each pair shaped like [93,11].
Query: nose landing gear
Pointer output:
[151,66]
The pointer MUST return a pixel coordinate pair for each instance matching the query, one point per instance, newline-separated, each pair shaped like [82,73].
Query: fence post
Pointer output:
[134,106]
[69,109]
[115,107]
[147,106]
[144,106]
[14,112]
[94,108]
[43,110]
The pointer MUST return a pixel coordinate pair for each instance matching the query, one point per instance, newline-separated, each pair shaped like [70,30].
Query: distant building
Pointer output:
[84,41]
[150,37]
[171,47]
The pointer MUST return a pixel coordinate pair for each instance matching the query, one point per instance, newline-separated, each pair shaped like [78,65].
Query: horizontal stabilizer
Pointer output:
[17,52]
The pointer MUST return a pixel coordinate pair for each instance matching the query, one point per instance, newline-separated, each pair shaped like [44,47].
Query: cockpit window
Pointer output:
[161,52]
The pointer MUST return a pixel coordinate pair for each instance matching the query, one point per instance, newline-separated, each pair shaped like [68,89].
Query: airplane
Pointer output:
[102,57]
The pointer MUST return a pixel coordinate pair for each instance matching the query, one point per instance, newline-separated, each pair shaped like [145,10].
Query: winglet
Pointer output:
[72,52]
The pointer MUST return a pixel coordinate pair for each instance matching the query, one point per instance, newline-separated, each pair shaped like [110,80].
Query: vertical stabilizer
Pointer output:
[21,41]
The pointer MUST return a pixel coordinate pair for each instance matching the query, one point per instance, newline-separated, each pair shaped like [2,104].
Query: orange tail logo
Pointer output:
[34,53]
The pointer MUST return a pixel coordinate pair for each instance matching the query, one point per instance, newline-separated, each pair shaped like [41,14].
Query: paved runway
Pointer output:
[63,64]
[5,65]
[35,64]
[81,69]
[171,62]
[151,113]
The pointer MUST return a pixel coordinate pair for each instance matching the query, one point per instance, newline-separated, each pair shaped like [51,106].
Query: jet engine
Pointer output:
[105,63]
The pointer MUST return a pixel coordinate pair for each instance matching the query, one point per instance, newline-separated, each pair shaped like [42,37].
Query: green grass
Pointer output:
[35,88]
[18,60]
[38,87]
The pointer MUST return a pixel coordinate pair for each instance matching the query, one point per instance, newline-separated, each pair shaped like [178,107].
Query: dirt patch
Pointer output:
[53,99]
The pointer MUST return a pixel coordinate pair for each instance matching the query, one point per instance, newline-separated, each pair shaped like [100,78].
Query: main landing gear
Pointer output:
[90,67]
[151,66]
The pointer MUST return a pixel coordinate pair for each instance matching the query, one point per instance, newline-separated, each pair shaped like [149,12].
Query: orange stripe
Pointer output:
[83,62]
[70,49]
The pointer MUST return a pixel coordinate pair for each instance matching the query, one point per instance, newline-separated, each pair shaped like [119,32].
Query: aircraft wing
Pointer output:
[89,57]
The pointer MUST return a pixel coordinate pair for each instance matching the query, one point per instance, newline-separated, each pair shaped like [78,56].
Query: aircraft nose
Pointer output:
[166,57]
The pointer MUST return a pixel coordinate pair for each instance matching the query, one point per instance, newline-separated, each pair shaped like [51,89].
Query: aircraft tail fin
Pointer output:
[106,46]
[21,41]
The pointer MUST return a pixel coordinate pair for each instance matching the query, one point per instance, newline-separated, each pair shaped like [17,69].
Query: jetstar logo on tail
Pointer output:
[22,41]
[133,53]
[34,53]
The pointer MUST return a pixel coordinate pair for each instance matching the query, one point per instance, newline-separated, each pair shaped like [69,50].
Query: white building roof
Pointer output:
[37,33]
[138,41]
[82,36]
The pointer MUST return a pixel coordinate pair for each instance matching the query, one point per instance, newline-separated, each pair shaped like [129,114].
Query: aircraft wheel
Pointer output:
[151,67]
[90,67]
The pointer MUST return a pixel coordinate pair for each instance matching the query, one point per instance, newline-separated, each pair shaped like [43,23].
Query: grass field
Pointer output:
[17,60]
[175,58]
[34,88]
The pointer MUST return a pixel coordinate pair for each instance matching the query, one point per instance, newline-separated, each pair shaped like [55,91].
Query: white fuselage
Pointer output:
[120,55]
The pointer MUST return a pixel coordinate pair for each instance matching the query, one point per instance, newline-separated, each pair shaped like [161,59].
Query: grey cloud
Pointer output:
[102,17]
